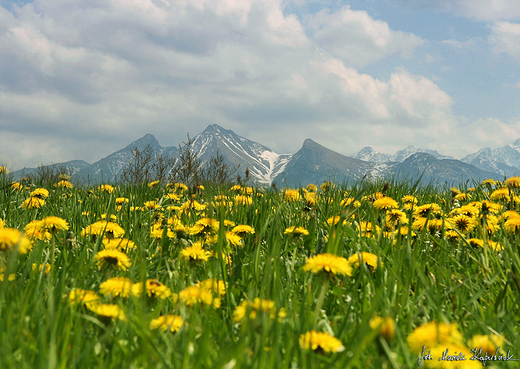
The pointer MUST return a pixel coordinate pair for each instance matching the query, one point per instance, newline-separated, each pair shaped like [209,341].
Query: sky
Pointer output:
[81,79]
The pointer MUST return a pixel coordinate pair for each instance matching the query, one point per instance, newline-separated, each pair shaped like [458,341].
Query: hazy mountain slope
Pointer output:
[441,171]
[314,163]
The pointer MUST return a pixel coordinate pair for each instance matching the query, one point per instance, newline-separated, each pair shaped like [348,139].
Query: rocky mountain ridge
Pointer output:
[313,163]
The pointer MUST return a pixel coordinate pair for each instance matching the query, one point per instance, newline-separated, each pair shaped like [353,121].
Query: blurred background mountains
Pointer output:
[313,163]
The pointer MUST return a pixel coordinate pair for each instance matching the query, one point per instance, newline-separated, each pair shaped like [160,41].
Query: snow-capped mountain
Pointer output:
[503,160]
[263,163]
[313,163]
[369,154]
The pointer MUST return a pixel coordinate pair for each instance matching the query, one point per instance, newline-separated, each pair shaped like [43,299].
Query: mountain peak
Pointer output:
[144,141]
[216,129]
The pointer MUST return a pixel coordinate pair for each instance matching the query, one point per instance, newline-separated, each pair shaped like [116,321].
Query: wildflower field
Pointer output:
[367,275]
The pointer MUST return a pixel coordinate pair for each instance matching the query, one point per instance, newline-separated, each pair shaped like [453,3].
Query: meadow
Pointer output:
[366,275]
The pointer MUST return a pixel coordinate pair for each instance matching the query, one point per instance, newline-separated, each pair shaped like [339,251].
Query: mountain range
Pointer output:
[313,163]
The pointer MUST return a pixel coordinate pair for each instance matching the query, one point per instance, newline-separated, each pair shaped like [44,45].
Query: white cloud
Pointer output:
[482,10]
[358,39]
[81,79]
[486,10]
[506,38]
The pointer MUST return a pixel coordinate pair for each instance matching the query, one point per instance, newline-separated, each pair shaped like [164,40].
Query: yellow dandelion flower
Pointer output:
[177,187]
[109,229]
[350,201]
[195,253]
[396,217]
[328,263]
[233,239]
[495,246]
[16,186]
[209,225]
[462,197]
[452,235]
[38,268]
[12,239]
[512,182]
[470,210]
[116,286]
[500,194]
[512,225]
[490,182]
[291,195]
[33,203]
[312,187]
[236,188]
[257,307]
[310,198]
[463,223]
[368,258]
[107,311]
[243,229]
[80,296]
[118,244]
[451,355]
[325,186]
[509,214]
[106,188]
[112,258]
[455,191]
[296,231]
[409,200]
[53,224]
[154,288]
[385,326]
[243,200]
[385,203]
[153,184]
[41,193]
[432,334]
[333,220]
[487,206]
[424,210]
[321,342]
[368,229]
[419,223]
[64,184]
[485,344]
[168,322]
[11,277]
[193,295]
[491,223]
[476,242]
[35,232]
[213,285]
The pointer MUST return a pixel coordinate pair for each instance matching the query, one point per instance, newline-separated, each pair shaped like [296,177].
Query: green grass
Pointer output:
[420,279]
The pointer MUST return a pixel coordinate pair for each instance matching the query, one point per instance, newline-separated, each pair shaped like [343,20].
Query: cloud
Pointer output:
[482,10]
[357,39]
[506,38]
[82,79]
[485,10]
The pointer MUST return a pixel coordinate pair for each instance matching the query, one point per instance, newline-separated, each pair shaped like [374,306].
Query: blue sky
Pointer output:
[80,79]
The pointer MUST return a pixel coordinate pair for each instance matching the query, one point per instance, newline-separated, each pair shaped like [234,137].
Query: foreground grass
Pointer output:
[428,273]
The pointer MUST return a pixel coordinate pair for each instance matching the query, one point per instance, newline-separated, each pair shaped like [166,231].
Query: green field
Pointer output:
[334,276]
